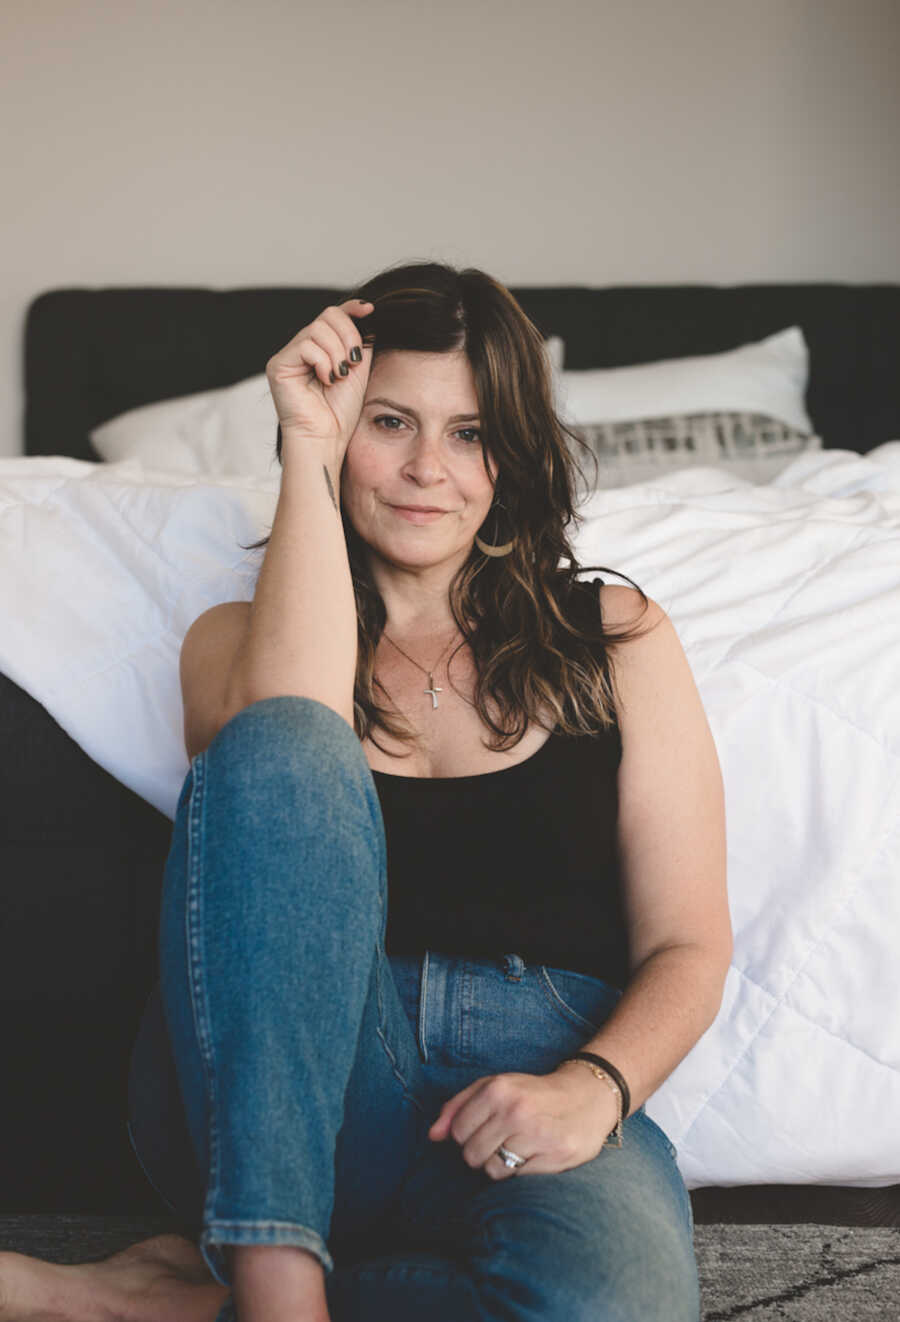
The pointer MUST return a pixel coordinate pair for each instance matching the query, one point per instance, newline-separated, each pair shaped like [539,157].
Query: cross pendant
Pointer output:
[433,691]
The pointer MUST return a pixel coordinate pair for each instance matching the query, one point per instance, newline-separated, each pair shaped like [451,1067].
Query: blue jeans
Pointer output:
[286,1070]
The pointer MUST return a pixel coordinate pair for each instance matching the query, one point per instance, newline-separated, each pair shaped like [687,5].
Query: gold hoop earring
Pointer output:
[485,548]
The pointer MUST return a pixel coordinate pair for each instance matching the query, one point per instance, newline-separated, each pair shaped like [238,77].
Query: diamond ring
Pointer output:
[510,1159]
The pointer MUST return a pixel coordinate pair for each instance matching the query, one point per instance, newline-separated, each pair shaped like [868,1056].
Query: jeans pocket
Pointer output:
[578,999]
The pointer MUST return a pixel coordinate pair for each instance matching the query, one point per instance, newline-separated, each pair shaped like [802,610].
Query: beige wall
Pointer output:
[587,141]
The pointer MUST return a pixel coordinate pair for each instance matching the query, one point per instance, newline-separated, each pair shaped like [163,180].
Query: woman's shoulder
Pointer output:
[620,607]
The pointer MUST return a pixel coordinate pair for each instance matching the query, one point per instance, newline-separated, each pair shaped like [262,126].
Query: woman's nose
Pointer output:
[425,462]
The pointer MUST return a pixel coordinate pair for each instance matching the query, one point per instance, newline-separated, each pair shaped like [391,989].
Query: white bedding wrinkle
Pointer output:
[786,598]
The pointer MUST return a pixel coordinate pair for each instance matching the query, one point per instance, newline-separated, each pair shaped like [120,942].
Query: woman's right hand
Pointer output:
[308,402]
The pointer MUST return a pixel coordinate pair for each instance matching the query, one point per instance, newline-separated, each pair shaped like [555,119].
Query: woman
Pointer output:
[371,1114]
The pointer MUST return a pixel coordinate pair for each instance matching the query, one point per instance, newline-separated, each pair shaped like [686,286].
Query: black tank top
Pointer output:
[521,860]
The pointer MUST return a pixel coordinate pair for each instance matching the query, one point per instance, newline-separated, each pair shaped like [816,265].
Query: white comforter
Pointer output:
[786,598]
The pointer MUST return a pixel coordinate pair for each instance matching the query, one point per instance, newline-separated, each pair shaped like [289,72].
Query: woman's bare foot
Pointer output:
[156,1280]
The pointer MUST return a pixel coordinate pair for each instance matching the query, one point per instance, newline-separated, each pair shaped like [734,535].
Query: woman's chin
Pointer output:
[409,555]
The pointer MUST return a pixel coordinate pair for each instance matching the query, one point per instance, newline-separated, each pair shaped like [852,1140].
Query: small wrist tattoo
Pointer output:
[330,487]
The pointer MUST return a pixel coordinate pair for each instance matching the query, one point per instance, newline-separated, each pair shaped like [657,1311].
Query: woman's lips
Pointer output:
[418,516]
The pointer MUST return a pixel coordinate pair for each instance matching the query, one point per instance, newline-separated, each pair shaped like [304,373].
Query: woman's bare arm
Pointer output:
[301,636]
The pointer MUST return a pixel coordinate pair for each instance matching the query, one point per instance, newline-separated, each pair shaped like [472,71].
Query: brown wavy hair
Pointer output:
[535,632]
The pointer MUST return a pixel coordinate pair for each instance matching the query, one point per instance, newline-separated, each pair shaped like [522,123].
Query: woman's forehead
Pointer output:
[425,383]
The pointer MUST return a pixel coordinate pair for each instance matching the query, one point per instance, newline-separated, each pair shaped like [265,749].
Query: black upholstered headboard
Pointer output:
[90,354]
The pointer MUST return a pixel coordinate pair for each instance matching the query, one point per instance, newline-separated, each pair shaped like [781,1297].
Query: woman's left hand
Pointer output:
[556,1120]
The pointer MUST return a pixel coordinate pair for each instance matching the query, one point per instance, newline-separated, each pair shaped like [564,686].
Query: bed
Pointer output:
[770,532]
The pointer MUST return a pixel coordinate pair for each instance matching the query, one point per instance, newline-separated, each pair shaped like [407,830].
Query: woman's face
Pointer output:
[422,448]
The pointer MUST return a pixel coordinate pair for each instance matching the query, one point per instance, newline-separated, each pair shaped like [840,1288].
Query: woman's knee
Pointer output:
[293,718]
[292,752]
[285,734]
[568,1268]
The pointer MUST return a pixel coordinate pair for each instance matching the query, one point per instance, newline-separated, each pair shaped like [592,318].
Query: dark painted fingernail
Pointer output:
[344,368]
[332,376]
[355,355]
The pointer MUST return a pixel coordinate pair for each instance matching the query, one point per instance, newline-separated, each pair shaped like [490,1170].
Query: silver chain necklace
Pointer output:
[431,690]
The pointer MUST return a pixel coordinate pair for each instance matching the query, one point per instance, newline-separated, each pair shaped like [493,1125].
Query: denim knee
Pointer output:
[288,734]
[559,1267]
[288,751]
[298,721]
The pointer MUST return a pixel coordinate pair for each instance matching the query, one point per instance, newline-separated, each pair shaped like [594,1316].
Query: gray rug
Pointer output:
[803,1273]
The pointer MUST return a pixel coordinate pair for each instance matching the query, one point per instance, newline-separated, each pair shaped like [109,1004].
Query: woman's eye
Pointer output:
[391,417]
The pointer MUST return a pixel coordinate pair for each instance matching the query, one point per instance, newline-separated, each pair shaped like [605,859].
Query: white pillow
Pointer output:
[768,376]
[741,412]
[228,432]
